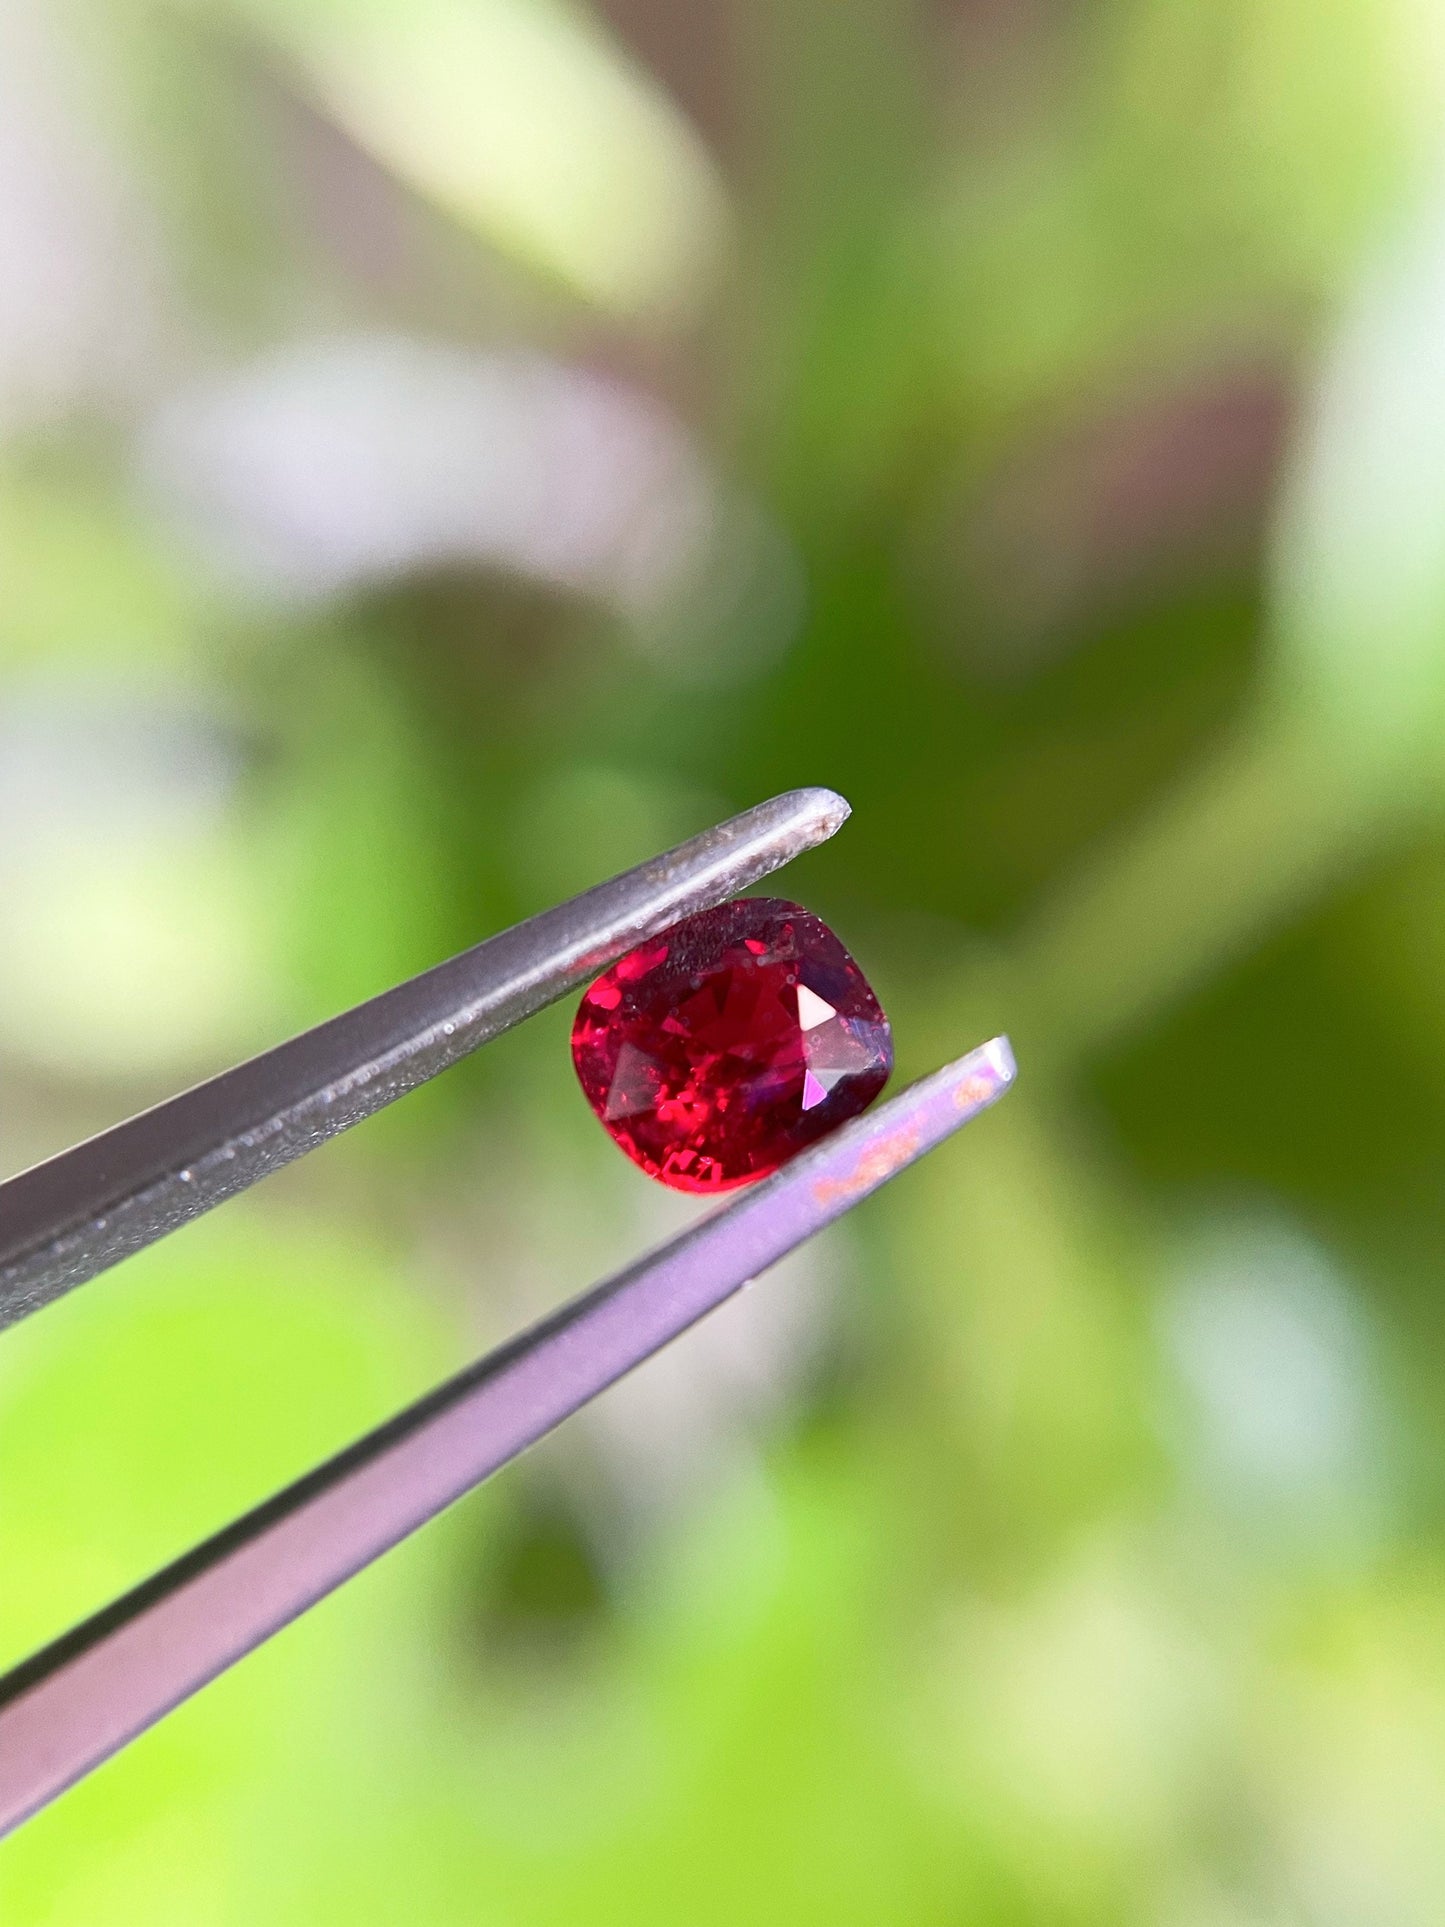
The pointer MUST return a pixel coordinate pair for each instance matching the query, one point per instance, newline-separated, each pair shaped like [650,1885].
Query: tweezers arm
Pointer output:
[64,1221]
[79,1700]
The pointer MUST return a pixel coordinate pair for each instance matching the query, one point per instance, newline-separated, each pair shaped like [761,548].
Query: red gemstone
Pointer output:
[718,1050]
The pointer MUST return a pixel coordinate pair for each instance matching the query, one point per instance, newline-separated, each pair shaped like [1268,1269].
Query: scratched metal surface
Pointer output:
[81,1699]
[64,1221]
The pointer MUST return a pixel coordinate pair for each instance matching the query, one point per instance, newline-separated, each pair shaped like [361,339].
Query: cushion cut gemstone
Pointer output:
[715,1052]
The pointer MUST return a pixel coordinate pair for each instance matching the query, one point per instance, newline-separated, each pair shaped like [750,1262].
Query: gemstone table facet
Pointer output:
[716,1051]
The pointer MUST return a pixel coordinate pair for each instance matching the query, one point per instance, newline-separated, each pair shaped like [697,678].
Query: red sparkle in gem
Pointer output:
[716,1051]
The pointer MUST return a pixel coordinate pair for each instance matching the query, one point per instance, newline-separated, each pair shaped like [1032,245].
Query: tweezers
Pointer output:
[80,1699]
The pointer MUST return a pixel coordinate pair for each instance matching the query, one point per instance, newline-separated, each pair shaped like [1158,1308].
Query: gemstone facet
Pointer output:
[716,1051]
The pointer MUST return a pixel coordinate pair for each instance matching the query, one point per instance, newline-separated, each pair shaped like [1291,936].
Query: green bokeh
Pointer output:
[418,501]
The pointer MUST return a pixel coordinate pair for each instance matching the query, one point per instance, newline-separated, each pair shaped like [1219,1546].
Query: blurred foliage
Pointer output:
[450,450]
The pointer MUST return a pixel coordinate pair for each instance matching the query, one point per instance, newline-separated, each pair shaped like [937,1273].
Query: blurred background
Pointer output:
[450,449]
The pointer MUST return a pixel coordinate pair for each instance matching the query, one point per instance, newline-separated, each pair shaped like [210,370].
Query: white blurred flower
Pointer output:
[353,460]
[1273,1347]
